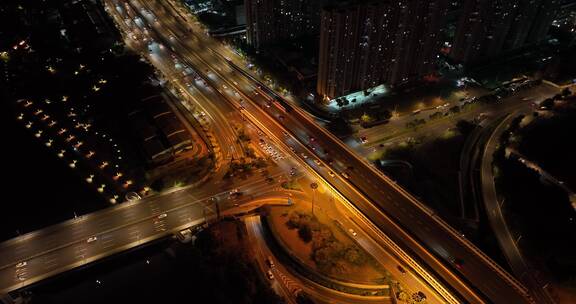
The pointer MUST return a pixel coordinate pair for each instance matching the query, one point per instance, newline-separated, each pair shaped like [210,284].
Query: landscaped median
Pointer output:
[318,249]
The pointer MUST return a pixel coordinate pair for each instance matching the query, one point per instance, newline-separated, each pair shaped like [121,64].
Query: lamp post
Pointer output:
[313,186]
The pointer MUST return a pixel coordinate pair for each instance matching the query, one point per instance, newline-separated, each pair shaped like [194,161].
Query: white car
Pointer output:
[352,232]
[21,264]
[270,262]
[163,215]
[91,239]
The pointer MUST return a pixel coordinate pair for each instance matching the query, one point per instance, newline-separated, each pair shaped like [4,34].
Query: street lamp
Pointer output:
[313,186]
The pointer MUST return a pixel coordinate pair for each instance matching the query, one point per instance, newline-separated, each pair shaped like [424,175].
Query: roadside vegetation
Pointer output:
[329,254]
[429,167]
[323,245]
[243,168]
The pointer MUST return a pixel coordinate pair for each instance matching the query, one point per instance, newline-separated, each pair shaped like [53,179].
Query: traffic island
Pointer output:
[318,249]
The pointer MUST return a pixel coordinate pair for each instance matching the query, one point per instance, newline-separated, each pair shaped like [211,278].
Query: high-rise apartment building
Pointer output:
[364,44]
[272,21]
[259,22]
[488,28]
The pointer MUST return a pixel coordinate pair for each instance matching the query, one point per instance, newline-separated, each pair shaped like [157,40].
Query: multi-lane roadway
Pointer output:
[419,231]
[175,48]
[396,214]
[43,253]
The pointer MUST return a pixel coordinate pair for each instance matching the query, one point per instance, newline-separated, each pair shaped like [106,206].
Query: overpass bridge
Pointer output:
[44,253]
[396,213]
[231,31]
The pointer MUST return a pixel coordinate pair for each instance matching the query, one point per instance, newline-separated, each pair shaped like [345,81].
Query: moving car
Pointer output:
[457,262]
[269,275]
[91,239]
[235,193]
[21,264]
[270,262]
[163,215]
[352,232]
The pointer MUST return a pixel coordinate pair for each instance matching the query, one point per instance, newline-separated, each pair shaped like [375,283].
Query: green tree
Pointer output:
[455,109]
[353,255]
[465,127]
[305,233]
